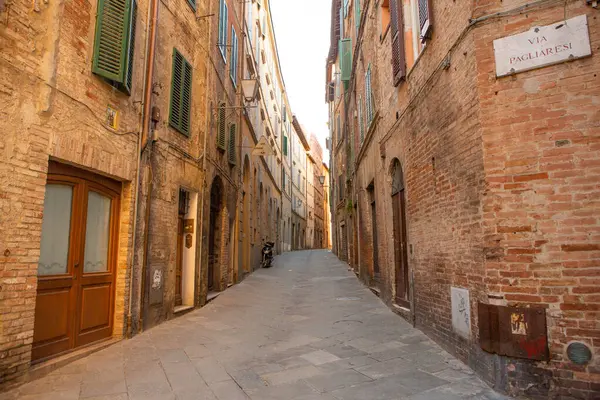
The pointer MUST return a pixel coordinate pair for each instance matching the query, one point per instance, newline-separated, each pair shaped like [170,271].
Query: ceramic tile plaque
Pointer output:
[543,46]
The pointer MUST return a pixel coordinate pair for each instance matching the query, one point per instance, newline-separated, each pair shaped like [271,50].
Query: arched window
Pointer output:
[397,177]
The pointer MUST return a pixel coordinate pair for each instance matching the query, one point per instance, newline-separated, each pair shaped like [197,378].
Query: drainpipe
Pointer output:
[142,139]
[142,143]
[209,122]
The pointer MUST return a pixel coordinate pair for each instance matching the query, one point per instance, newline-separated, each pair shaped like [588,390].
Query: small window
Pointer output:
[385,16]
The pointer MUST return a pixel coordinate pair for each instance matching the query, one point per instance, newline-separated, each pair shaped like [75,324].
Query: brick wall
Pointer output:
[52,106]
[541,142]
[500,178]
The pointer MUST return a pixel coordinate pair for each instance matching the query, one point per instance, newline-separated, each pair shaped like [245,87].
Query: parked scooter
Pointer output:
[267,254]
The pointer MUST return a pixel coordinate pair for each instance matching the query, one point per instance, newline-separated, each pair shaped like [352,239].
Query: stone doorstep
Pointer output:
[182,309]
[38,371]
[212,295]
[403,312]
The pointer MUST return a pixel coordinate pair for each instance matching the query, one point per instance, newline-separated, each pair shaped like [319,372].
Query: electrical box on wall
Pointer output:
[513,331]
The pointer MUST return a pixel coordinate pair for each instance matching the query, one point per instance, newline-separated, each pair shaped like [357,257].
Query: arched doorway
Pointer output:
[400,240]
[293,236]
[214,235]
[277,232]
[260,214]
[246,218]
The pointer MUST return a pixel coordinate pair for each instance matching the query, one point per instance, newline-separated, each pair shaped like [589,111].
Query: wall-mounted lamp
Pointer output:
[249,89]
[322,179]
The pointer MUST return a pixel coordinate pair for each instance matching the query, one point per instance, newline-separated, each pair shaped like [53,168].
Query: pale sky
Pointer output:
[302,32]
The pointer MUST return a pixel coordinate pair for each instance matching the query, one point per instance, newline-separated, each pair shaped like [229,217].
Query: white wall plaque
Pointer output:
[543,46]
[461,312]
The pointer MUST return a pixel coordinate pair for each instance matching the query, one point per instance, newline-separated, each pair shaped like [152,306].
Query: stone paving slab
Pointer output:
[305,329]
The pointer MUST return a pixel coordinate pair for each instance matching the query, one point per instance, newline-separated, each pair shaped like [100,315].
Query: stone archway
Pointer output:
[278,231]
[400,238]
[215,234]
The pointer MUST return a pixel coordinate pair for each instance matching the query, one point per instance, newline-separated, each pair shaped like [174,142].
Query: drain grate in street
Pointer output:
[348,298]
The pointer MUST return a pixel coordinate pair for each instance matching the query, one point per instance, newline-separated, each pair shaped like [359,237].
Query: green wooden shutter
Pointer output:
[130,52]
[221,127]
[285,146]
[192,4]
[346,59]
[368,97]
[223,29]
[361,122]
[357,15]
[181,94]
[112,34]
[232,147]
[234,56]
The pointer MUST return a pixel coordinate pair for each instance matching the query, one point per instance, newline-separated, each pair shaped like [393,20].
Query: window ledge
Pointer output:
[385,33]
[414,66]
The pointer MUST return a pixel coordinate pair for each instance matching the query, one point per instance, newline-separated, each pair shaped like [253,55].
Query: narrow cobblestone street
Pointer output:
[305,329]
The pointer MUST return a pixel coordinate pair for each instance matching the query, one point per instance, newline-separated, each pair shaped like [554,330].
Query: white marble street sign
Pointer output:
[461,311]
[542,46]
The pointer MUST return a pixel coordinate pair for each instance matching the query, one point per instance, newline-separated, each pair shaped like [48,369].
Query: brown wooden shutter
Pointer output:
[398,56]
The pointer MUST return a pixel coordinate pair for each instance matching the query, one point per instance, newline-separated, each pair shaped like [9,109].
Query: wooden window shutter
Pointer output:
[285,146]
[111,41]
[341,21]
[357,15]
[130,51]
[398,55]
[346,59]
[368,97]
[361,122]
[425,19]
[221,127]
[192,4]
[223,18]
[234,56]
[232,147]
[181,94]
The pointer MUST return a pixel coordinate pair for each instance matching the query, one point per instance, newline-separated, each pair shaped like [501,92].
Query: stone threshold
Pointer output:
[212,295]
[180,309]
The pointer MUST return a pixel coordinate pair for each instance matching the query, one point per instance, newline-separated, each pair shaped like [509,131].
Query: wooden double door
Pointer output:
[76,270]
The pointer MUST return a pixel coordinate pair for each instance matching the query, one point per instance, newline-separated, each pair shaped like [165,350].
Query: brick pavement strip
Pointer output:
[305,329]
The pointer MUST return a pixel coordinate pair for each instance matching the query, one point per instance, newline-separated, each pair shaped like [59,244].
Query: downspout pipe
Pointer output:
[141,142]
[149,72]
